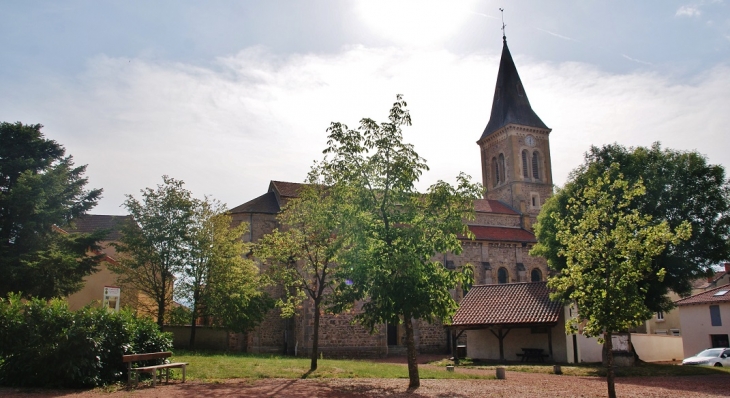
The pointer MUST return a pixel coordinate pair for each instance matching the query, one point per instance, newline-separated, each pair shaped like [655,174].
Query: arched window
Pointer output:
[536,275]
[525,172]
[502,275]
[535,162]
[502,171]
[495,167]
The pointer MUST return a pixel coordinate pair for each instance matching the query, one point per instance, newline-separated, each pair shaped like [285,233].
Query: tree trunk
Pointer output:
[194,317]
[315,337]
[415,380]
[610,375]
[161,313]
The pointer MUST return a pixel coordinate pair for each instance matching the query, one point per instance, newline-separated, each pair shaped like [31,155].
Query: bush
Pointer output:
[44,344]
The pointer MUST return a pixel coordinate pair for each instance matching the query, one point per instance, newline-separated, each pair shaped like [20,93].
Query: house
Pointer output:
[517,175]
[705,320]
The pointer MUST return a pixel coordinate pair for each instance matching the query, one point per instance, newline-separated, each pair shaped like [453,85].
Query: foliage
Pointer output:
[396,230]
[680,187]
[302,258]
[609,247]
[155,246]
[41,188]
[44,344]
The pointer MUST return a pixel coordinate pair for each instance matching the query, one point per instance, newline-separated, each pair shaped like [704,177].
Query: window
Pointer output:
[536,275]
[502,276]
[660,316]
[719,340]
[525,172]
[495,167]
[502,171]
[534,200]
[535,162]
[715,315]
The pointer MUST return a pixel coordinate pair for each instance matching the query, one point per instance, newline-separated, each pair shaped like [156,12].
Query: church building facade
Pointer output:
[517,176]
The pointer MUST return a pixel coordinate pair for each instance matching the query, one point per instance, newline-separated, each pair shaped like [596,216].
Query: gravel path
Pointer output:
[516,384]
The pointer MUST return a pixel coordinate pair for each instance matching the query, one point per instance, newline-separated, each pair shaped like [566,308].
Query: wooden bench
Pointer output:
[153,369]
[532,353]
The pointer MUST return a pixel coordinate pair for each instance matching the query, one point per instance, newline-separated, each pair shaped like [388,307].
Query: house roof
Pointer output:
[286,189]
[93,222]
[510,104]
[503,234]
[507,305]
[265,203]
[707,297]
[493,206]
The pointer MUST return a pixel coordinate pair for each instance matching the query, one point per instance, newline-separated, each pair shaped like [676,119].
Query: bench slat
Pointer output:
[145,357]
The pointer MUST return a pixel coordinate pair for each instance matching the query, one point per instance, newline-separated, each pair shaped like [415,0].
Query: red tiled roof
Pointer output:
[492,206]
[510,304]
[93,222]
[707,297]
[287,189]
[504,234]
[265,203]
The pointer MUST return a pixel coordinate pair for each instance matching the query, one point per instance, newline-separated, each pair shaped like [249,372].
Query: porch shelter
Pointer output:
[513,321]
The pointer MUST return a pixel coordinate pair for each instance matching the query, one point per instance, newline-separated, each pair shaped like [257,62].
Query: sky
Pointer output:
[229,95]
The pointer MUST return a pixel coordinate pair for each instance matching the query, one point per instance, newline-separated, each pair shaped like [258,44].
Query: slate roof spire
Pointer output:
[510,104]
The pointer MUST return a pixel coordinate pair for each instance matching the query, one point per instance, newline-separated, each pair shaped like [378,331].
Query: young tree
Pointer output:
[303,256]
[41,188]
[218,282]
[397,231]
[680,187]
[156,245]
[609,246]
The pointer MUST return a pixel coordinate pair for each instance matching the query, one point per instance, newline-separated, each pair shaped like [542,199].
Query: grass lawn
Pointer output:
[219,366]
[644,369]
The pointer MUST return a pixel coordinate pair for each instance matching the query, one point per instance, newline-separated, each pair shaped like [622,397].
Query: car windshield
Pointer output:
[714,352]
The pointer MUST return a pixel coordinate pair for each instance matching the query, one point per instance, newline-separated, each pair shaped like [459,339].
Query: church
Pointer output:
[516,174]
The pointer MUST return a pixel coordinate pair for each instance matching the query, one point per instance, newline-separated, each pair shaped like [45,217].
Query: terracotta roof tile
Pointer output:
[493,206]
[511,304]
[265,203]
[94,222]
[707,297]
[504,234]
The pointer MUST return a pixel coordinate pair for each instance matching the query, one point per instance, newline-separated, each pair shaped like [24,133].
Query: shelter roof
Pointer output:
[507,305]
[502,234]
[712,296]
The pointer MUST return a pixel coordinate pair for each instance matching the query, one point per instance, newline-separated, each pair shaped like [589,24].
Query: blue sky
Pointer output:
[227,95]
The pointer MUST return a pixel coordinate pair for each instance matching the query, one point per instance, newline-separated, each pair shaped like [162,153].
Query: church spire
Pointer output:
[510,104]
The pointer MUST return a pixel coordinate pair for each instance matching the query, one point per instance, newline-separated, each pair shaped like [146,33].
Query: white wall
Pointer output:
[482,344]
[697,327]
[657,348]
[589,350]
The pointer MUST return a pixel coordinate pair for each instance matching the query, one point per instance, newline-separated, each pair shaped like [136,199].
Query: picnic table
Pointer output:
[532,353]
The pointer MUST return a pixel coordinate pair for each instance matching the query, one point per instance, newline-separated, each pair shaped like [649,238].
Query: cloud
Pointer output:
[229,127]
[557,35]
[636,60]
[688,11]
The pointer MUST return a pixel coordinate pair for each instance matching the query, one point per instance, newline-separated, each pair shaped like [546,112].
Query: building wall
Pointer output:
[92,292]
[657,348]
[697,326]
[482,344]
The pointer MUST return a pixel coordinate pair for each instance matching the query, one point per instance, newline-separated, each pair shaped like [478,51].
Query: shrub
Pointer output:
[44,344]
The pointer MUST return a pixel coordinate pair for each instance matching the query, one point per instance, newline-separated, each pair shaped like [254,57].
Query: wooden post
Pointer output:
[550,341]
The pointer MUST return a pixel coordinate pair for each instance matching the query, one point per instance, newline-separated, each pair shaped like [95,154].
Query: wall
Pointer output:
[589,350]
[206,338]
[657,348]
[697,328]
[92,291]
[482,344]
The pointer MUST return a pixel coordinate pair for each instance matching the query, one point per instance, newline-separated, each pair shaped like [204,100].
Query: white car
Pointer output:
[710,357]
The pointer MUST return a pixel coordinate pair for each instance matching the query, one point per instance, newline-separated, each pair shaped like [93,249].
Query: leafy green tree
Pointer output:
[156,245]
[397,231]
[609,247]
[219,283]
[680,187]
[40,188]
[303,256]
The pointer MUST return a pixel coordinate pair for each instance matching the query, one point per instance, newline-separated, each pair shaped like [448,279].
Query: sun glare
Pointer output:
[414,22]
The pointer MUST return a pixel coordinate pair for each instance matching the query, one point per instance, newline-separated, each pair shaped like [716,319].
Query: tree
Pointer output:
[609,248]
[40,188]
[155,246]
[303,257]
[397,231]
[218,282]
[680,187]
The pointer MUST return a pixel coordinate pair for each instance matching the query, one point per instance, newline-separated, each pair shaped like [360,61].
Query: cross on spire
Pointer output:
[504,36]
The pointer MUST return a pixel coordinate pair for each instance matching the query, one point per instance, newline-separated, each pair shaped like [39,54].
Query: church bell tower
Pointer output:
[515,146]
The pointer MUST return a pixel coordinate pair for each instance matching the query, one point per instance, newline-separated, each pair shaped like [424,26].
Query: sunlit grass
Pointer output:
[218,366]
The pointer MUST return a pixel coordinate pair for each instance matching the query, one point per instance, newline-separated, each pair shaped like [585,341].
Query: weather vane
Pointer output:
[504,36]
